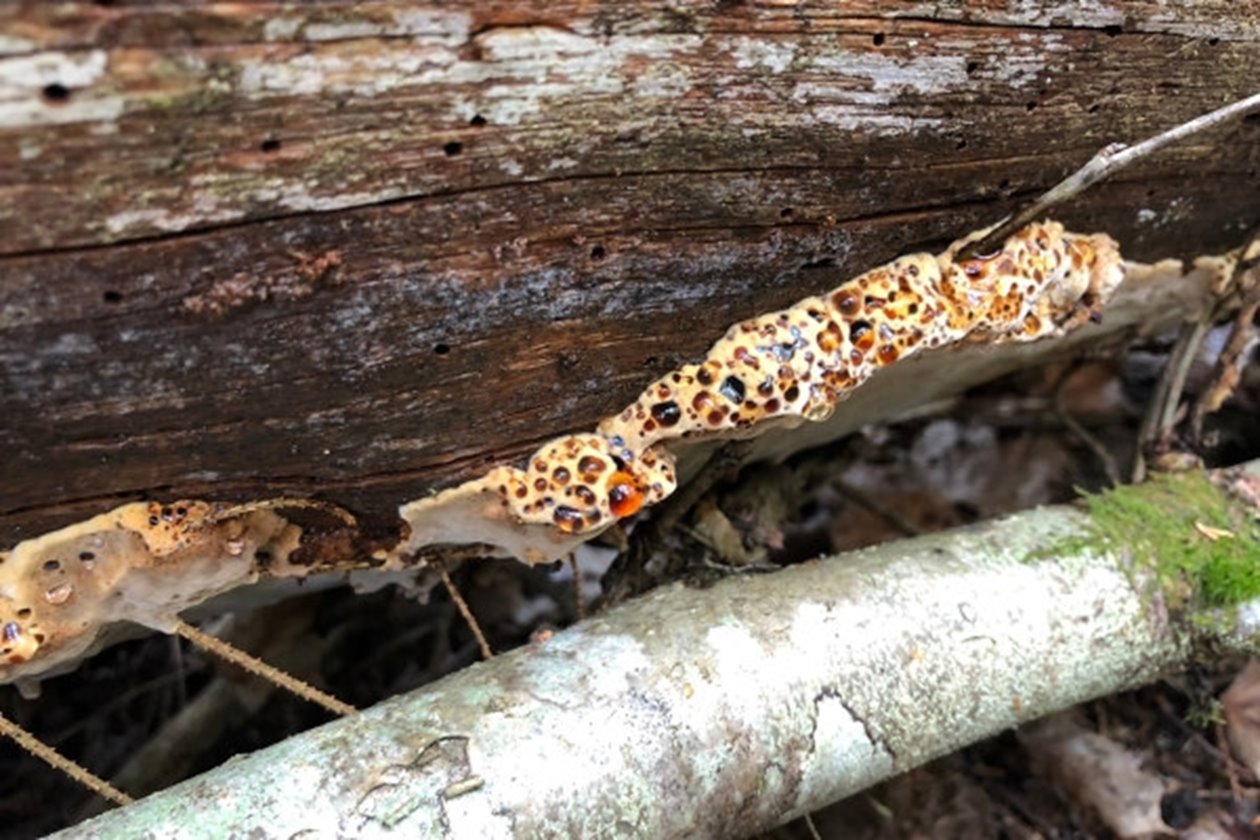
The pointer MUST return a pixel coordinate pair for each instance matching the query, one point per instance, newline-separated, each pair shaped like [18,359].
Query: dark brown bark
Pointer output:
[363,250]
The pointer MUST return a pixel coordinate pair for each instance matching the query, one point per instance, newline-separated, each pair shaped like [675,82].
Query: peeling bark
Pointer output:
[725,711]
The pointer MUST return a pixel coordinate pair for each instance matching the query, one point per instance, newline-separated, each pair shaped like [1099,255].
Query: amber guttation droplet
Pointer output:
[590,464]
[791,393]
[568,519]
[585,494]
[861,334]
[667,413]
[829,338]
[733,389]
[561,475]
[11,631]
[887,353]
[625,498]
[847,303]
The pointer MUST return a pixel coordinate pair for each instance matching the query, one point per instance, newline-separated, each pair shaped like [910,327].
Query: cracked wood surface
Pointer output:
[365,250]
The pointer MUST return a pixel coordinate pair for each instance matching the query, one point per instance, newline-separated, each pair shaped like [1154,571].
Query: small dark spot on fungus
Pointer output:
[441,348]
[667,413]
[52,565]
[567,519]
[878,39]
[56,93]
[111,296]
[271,144]
[153,520]
[1212,42]
[1112,30]
[961,144]
[733,389]
[787,213]
[1093,109]
[972,67]
[453,148]
[598,253]
[1030,106]
[477,121]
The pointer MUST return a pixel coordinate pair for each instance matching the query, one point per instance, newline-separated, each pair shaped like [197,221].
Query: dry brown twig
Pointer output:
[1228,373]
[1108,161]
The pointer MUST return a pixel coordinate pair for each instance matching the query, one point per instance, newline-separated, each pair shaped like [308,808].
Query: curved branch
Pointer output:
[724,711]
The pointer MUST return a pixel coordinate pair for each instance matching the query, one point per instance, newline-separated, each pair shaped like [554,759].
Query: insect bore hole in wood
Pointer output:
[56,93]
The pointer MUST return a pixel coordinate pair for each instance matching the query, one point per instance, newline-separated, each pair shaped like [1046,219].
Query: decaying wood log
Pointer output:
[363,250]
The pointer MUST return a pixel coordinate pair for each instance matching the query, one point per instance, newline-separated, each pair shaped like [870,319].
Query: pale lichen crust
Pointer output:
[782,368]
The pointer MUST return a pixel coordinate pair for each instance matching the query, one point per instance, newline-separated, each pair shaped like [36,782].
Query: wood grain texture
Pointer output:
[364,250]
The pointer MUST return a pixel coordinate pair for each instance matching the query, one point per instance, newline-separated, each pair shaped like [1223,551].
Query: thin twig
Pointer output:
[1161,412]
[1229,364]
[1106,163]
[462,606]
[42,751]
[579,606]
[1092,443]
[889,514]
[256,666]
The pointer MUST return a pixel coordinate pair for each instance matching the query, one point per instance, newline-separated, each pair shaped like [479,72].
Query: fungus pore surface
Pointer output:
[782,368]
[63,592]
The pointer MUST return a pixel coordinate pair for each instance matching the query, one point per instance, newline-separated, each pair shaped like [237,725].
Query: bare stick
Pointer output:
[462,606]
[1106,163]
[256,666]
[1233,357]
[45,753]
[579,606]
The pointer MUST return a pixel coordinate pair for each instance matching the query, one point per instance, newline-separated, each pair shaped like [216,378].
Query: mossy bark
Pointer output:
[724,711]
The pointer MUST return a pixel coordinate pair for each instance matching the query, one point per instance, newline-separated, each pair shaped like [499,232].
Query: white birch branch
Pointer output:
[720,712]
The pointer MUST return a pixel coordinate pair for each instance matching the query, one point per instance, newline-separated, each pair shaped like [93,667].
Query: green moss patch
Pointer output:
[1203,549]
